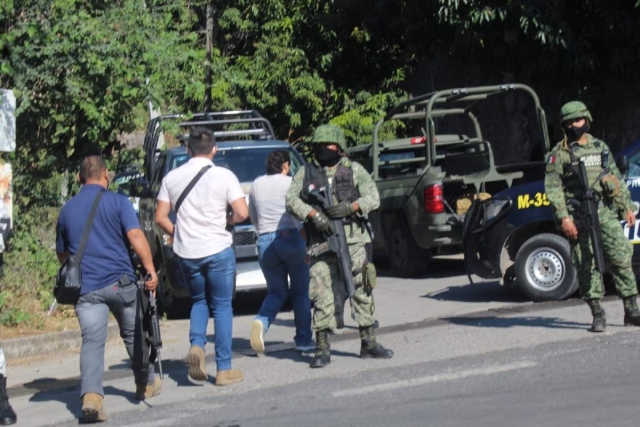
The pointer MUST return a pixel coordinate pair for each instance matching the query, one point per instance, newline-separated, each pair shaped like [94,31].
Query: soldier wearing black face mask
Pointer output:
[563,184]
[355,195]
[327,155]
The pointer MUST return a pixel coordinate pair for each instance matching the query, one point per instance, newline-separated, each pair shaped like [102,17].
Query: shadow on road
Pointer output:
[68,393]
[478,292]
[510,322]
[438,268]
[305,358]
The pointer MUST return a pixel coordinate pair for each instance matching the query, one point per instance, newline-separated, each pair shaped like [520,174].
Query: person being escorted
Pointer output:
[355,195]
[200,192]
[7,415]
[108,280]
[562,184]
[281,252]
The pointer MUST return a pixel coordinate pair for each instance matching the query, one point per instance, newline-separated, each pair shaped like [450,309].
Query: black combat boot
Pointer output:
[599,323]
[369,348]
[631,312]
[323,350]
[7,416]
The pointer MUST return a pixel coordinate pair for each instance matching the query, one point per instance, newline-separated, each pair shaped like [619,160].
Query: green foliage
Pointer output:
[30,268]
[362,113]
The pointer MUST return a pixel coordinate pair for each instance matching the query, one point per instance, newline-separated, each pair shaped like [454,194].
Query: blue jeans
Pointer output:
[93,310]
[210,281]
[282,254]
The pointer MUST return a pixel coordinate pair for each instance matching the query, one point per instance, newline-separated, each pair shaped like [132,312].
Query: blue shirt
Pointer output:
[106,256]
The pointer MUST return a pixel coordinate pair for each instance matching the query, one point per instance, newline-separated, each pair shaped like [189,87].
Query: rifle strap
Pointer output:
[190,186]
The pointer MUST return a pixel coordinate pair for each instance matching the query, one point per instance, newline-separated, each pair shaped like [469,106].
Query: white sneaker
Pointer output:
[257,336]
[308,348]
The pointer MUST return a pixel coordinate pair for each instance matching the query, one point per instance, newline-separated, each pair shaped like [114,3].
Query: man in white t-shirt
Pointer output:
[200,192]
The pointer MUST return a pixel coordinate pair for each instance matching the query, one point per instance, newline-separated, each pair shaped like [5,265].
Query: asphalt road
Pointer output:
[522,364]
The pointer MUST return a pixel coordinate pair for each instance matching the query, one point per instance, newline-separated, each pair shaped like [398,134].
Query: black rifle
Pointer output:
[150,323]
[588,206]
[338,240]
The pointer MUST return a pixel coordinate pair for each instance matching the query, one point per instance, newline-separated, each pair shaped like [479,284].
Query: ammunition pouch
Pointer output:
[370,276]
[611,186]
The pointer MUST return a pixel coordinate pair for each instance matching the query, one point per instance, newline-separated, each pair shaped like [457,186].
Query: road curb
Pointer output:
[39,345]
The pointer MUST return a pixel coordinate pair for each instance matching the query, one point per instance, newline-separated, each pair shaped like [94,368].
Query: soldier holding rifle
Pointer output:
[333,195]
[589,198]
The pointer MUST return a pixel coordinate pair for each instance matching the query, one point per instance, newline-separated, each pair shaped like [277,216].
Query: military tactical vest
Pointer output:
[595,157]
[343,184]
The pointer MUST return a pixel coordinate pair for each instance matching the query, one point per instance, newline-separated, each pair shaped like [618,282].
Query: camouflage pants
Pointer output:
[325,271]
[617,250]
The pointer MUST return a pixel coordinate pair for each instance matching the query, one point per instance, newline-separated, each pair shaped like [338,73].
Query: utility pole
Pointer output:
[208,77]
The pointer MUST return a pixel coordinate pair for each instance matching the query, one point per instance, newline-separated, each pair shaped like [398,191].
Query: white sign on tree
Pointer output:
[7,120]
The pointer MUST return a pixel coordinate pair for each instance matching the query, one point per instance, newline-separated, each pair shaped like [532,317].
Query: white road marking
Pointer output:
[438,378]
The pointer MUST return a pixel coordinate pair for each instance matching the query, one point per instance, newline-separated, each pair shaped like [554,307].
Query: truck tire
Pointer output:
[174,308]
[543,268]
[406,258]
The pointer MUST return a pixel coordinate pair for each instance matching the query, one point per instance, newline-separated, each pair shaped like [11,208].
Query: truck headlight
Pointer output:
[494,208]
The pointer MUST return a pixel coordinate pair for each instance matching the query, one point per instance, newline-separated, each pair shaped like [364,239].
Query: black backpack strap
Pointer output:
[87,228]
[192,184]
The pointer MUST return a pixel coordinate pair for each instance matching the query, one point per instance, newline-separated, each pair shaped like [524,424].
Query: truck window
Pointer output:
[246,163]
[634,165]
[387,171]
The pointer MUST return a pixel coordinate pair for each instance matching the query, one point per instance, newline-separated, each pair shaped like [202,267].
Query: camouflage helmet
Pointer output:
[330,134]
[574,110]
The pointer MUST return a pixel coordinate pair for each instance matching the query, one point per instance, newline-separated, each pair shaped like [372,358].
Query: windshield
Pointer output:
[247,163]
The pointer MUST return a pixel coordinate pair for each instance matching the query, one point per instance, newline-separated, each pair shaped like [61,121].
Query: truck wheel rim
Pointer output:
[399,249]
[164,295]
[545,269]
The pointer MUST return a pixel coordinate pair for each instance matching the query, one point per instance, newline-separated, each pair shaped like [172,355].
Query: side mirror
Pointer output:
[139,188]
[623,165]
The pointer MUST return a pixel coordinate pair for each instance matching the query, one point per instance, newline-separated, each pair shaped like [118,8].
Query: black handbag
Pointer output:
[69,280]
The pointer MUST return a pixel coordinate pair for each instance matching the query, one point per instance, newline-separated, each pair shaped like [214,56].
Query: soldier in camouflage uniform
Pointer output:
[355,195]
[561,184]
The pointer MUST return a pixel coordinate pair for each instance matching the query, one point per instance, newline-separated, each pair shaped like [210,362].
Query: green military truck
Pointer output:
[429,175]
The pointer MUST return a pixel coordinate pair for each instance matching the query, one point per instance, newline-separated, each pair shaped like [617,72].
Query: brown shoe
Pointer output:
[195,359]
[257,336]
[229,377]
[148,391]
[92,408]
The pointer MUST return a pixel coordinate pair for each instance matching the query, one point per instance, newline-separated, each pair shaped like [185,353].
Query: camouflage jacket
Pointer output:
[369,198]
[561,183]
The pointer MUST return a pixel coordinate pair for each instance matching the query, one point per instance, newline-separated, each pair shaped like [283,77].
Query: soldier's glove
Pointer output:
[322,224]
[341,210]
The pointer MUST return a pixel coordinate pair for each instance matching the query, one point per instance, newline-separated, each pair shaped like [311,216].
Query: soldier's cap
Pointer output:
[575,110]
[330,134]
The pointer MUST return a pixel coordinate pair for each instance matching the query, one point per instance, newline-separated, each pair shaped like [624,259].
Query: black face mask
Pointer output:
[326,156]
[575,133]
